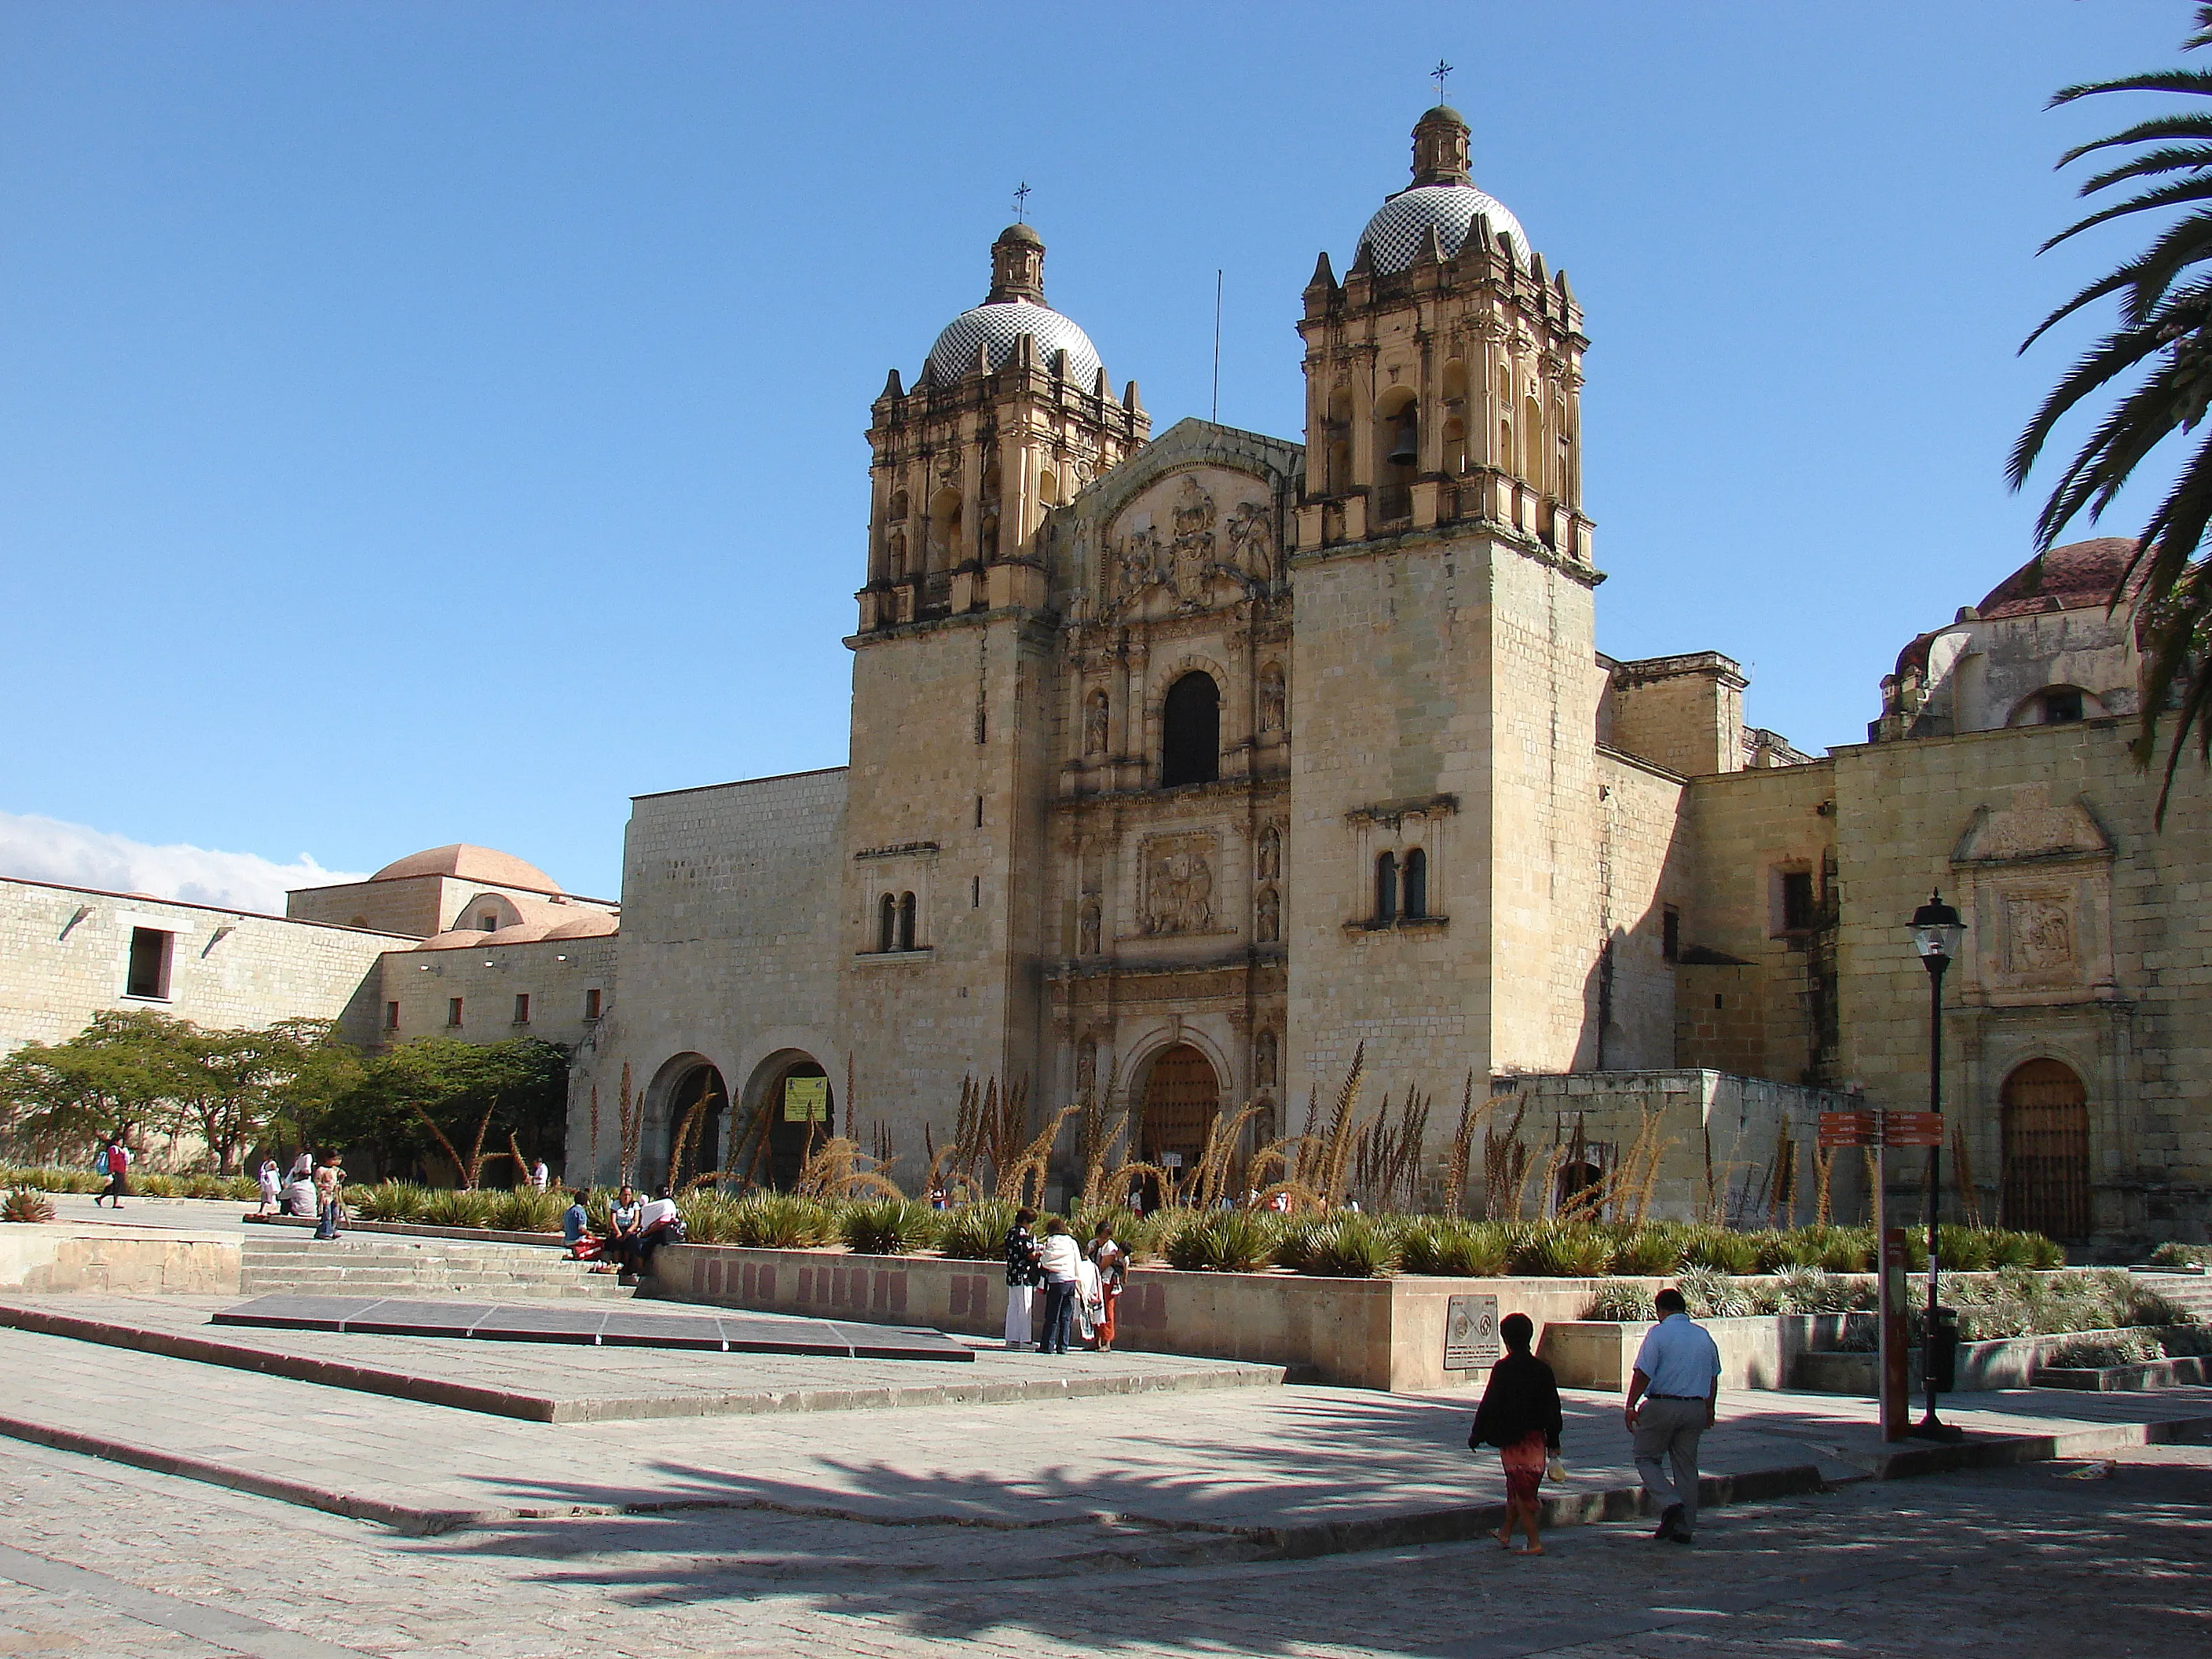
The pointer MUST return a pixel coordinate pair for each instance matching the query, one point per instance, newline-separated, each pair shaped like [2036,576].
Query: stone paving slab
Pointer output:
[1288,1471]
[619,1379]
[509,1321]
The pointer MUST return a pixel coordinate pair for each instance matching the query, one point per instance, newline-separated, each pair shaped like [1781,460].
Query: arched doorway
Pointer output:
[1181,1098]
[2046,1127]
[698,1128]
[1190,732]
[801,1115]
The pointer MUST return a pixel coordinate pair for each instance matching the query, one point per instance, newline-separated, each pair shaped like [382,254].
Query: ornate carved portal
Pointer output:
[1196,548]
[1181,1097]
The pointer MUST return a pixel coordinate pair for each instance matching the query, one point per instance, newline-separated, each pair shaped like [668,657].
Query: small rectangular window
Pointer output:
[149,963]
[522,1007]
[979,811]
[452,1010]
[390,1016]
[592,1003]
[1797,906]
[1670,934]
[976,893]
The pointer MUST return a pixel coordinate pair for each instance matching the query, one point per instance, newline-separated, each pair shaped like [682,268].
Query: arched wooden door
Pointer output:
[2046,1150]
[1181,1097]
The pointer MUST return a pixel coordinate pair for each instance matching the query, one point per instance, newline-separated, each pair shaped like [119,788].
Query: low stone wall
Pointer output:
[53,1260]
[2187,1371]
[2012,1362]
[1763,1350]
[1360,1333]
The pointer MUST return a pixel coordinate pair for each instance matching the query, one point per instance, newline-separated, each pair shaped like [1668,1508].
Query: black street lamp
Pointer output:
[1937,933]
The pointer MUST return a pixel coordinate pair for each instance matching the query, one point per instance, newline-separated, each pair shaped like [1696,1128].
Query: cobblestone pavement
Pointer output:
[111,1562]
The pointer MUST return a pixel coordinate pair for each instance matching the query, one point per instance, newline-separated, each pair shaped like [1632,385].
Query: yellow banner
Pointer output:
[806,1100]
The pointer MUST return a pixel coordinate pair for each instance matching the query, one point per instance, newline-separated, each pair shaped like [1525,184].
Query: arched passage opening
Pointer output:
[698,1118]
[1181,1098]
[1190,731]
[2045,1131]
[801,1113]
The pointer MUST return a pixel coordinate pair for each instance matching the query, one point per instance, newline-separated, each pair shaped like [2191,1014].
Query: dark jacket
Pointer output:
[1021,1258]
[1522,1395]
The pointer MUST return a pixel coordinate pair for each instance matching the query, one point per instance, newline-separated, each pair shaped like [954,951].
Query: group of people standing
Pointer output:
[1673,1396]
[1081,1283]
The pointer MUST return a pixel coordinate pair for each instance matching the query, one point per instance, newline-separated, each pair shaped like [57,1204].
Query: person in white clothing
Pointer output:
[1061,1261]
[1022,1278]
[540,1176]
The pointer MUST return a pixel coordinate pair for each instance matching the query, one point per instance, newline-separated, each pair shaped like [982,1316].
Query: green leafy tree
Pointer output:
[58,1100]
[441,1100]
[2157,367]
[231,1087]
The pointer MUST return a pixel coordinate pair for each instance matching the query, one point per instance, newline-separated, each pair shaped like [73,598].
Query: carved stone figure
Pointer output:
[1087,929]
[1268,866]
[2042,935]
[1192,551]
[1264,1051]
[1251,540]
[1273,699]
[1268,925]
[1086,1069]
[1178,890]
[1094,723]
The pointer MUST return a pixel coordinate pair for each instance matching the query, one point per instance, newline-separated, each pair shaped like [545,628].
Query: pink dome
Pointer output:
[467,863]
[595,924]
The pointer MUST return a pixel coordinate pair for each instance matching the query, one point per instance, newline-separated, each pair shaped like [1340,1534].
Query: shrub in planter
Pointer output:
[892,1226]
[27,1204]
[2095,1354]
[1572,1253]
[157,1186]
[1712,1295]
[1721,1251]
[2181,1255]
[1847,1249]
[1967,1250]
[388,1200]
[457,1207]
[1352,1246]
[778,1221]
[1454,1248]
[1622,1299]
[1140,1235]
[1222,1240]
[1300,1241]
[977,1232]
[527,1210]
[1656,1250]
[1811,1291]
[709,1218]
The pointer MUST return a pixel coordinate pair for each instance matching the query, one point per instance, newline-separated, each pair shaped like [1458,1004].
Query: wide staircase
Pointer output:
[393,1264]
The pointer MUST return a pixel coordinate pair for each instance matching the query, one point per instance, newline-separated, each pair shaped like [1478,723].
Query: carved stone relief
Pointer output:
[1177,876]
[1273,699]
[1268,926]
[2031,826]
[1268,864]
[1176,540]
[1087,929]
[2038,934]
[1094,723]
[1086,1069]
[1264,1060]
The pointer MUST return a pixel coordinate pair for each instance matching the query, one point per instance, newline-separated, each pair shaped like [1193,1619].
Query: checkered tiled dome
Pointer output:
[1397,232]
[1000,325]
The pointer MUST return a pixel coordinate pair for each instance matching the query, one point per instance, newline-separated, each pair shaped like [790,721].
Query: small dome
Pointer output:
[1398,231]
[467,863]
[594,924]
[2070,578]
[999,325]
[460,939]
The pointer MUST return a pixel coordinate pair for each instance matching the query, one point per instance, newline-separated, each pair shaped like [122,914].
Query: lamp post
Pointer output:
[1937,933]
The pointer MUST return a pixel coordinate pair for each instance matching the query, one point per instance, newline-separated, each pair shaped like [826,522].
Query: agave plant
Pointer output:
[459,1207]
[1807,1290]
[1622,1299]
[977,1232]
[890,1227]
[1656,1250]
[389,1201]
[27,1204]
[1223,1241]
[527,1210]
[1352,1246]
[710,1218]
[780,1221]
[1721,1250]
[1712,1295]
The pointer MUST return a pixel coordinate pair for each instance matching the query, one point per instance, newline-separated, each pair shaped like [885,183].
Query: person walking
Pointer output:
[271,1185]
[1520,1415]
[1112,1262]
[330,1181]
[1678,1379]
[1021,1277]
[1059,1262]
[114,1163]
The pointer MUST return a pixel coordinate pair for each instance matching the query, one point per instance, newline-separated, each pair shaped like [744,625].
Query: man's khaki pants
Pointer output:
[1667,1430]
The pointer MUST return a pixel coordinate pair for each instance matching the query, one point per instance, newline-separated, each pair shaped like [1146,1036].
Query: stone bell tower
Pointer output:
[1444,820]
[954,688]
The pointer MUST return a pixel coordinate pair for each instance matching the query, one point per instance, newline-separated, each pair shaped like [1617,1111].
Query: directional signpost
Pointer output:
[1878,1130]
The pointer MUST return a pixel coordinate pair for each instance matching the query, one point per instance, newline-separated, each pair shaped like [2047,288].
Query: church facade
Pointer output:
[1183,767]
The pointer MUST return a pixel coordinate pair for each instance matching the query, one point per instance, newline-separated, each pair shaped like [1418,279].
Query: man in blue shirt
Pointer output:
[575,1221]
[1678,1378]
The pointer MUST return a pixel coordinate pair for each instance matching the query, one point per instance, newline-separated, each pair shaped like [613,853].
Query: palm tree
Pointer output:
[2165,337]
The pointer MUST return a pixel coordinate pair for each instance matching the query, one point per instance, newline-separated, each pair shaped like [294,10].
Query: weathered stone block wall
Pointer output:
[1683,713]
[728,943]
[1643,868]
[68,955]
[554,973]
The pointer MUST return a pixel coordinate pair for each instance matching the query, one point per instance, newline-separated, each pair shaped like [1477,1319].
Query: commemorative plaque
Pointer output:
[1471,1333]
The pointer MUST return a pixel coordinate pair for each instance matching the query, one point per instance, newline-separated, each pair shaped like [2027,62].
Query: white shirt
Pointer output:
[1061,1258]
[1680,1358]
[656,1210]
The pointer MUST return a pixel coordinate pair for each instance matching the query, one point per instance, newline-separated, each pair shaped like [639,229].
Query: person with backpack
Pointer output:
[114,1163]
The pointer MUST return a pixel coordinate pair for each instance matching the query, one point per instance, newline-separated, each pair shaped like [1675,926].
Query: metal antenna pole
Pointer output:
[1217,345]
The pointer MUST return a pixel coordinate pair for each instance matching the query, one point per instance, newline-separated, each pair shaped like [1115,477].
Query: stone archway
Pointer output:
[1181,1097]
[2045,1133]
[698,1119]
[801,1112]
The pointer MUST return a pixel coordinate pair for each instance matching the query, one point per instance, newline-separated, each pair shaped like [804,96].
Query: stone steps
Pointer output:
[388,1265]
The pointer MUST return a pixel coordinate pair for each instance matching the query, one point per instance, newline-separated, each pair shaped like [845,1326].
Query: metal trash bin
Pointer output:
[1943,1350]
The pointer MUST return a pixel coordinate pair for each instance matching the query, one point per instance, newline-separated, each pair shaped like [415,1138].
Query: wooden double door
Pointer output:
[2045,1128]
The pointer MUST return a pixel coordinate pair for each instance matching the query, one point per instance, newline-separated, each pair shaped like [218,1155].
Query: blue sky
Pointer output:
[427,423]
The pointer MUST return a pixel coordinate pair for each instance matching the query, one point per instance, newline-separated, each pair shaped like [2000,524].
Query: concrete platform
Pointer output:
[576,1381]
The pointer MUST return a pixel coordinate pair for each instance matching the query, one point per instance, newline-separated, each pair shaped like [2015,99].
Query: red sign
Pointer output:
[1912,1129]
[1850,1129]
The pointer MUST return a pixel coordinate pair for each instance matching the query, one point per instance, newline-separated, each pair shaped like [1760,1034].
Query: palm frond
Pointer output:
[2172,195]
[2198,81]
[2161,126]
[2171,159]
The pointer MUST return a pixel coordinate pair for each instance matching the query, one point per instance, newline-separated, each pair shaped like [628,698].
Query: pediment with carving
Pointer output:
[1197,540]
[2032,826]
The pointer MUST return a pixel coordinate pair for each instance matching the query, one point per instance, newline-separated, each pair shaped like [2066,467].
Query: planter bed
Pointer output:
[2188,1373]
[2013,1362]
[418,1229]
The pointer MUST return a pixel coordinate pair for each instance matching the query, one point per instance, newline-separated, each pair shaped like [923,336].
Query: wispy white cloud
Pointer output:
[46,849]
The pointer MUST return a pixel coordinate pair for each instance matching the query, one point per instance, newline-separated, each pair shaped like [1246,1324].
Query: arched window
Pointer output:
[1338,439]
[990,539]
[887,923]
[905,922]
[1532,434]
[944,530]
[1048,488]
[894,556]
[1455,415]
[1385,888]
[1414,885]
[1190,732]
[898,507]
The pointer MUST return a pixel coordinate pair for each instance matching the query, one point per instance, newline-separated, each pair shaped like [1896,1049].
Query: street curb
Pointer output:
[2002,1451]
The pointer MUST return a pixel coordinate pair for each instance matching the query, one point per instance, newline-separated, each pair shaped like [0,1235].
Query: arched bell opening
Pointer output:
[1398,451]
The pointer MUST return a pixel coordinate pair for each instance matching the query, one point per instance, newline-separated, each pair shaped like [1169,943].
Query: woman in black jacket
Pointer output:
[1520,1416]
